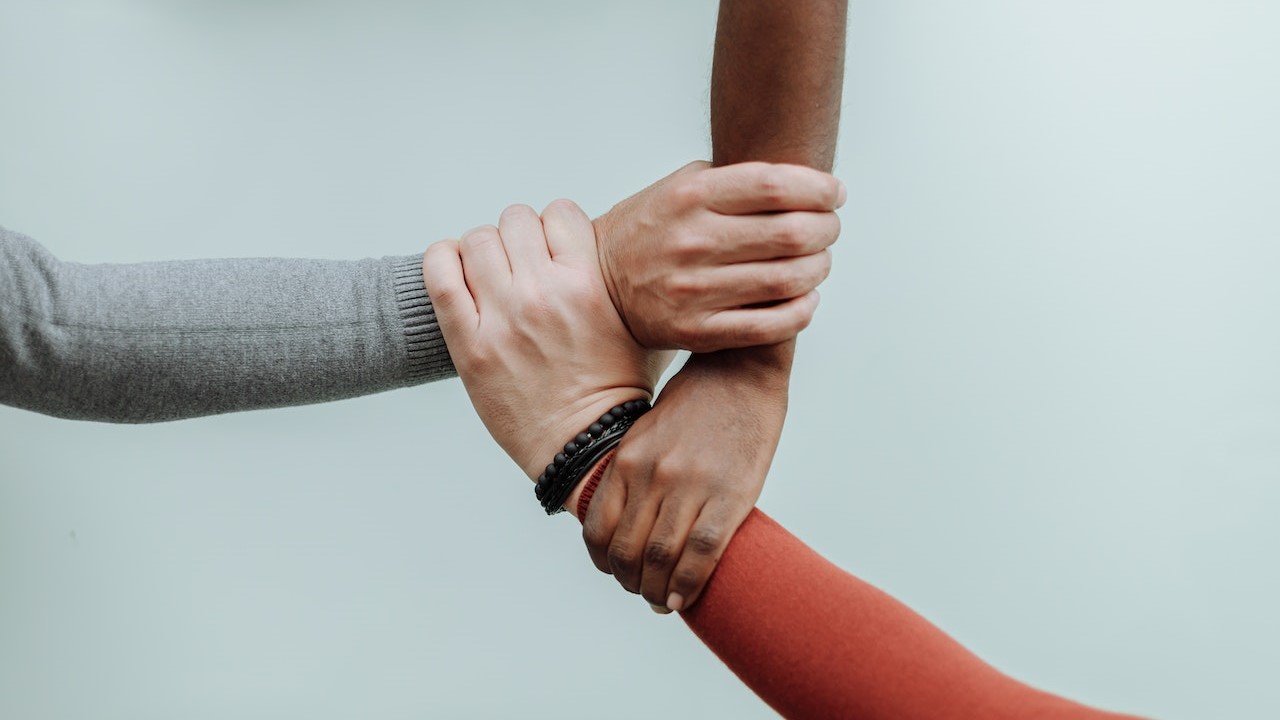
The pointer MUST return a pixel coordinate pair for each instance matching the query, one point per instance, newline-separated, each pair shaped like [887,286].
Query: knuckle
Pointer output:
[831,191]
[655,596]
[628,463]
[595,536]
[562,205]
[687,579]
[622,560]
[687,246]
[564,211]
[688,337]
[836,226]
[687,285]
[804,321]
[517,211]
[799,320]
[688,191]
[791,233]
[480,236]
[757,334]
[780,284]
[668,475]
[440,247]
[658,554]
[705,541]
[772,189]
[774,182]
[699,343]
[824,264]
[804,313]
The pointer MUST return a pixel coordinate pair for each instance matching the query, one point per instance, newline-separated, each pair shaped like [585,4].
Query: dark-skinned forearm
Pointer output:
[776,84]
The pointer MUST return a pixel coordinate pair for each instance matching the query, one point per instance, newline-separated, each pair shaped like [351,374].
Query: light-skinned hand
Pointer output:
[713,258]
[532,332]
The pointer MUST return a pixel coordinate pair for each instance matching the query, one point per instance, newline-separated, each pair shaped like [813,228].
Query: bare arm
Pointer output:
[776,81]
[692,469]
[776,84]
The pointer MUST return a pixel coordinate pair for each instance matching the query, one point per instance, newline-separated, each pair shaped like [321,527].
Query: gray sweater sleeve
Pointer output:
[171,340]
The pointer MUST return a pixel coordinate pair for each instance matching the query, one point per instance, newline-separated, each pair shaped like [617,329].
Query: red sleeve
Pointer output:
[814,641]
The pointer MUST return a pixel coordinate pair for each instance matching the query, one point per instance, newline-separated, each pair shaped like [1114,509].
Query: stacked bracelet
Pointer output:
[580,454]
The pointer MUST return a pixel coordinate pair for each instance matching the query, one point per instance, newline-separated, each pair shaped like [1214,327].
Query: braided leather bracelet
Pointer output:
[581,453]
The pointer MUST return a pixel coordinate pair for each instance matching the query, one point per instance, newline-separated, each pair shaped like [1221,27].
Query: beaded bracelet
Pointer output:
[581,453]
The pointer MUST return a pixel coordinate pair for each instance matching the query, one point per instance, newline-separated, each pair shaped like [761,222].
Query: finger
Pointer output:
[749,327]
[708,537]
[570,233]
[485,265]
[602,518]
[663,549]
[447,287]
[746,238]
[626,550]
[771,280]
[524,240]
[756,187]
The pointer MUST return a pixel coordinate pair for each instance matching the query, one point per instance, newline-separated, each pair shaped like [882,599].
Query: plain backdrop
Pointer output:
[1040,403]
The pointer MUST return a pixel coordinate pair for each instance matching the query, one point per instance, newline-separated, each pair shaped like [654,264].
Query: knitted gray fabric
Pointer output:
[171,340]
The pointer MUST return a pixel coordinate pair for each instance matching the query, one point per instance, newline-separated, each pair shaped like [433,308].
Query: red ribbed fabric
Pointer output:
[589,490]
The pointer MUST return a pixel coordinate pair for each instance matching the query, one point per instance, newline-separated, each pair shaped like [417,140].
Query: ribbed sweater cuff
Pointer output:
[427,357]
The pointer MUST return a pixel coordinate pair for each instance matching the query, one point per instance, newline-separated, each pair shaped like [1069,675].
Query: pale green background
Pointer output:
[1040,403]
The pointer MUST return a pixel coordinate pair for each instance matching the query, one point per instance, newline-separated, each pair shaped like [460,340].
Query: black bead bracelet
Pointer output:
[581,453]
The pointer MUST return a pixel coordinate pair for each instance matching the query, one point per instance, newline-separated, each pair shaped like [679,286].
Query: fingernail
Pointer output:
[676,602]
[659,609]
[842,195]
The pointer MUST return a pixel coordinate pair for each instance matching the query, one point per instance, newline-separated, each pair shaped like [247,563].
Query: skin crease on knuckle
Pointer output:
[517,211]
[772,186]
[594,535]
[781,283]
[798,319]
[687,580]
[693,339]
[441,294]
[562,208]
[481,236]
[808,273]
[792,233]
[834,228]
[624,563]
[686,288]
[658,554]
[687,192]
[688,248]
[752,335]
[709,336]
[705,541]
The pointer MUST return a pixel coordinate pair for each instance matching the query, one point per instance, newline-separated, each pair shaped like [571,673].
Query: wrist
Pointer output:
[555,434]
[575,504]
[766,368]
